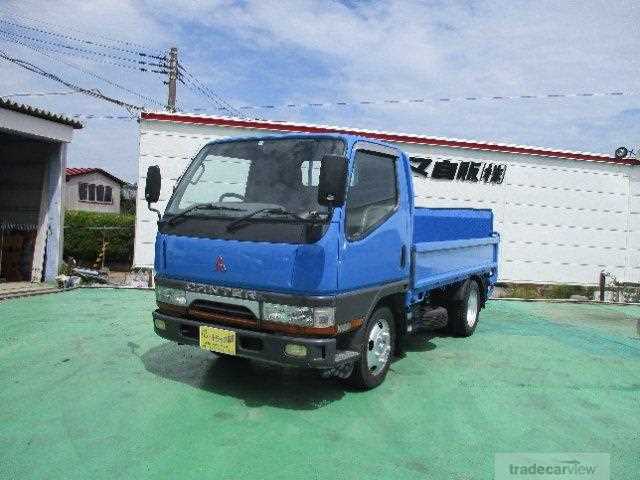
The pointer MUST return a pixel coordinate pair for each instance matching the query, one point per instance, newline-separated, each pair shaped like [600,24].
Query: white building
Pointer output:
[33,156]
[563,216]
[92,190]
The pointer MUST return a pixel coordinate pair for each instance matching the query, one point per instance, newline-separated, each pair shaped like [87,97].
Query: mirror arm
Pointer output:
[154,210]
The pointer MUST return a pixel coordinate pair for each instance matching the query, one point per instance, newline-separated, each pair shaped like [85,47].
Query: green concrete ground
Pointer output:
[88,391]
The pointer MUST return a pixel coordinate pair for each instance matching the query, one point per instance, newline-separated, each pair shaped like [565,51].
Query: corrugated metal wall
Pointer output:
[561,221]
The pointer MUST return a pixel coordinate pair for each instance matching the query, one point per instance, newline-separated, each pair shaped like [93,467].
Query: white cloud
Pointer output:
[268,51]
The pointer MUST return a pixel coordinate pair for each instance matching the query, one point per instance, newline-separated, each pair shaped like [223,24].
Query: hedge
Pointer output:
[84,232]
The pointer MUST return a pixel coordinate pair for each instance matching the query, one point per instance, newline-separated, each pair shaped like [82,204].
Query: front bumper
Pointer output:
[263,346]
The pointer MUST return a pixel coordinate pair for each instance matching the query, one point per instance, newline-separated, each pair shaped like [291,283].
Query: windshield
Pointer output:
[254,174]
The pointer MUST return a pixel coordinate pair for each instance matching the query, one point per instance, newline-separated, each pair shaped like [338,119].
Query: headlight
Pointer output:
[172,296]
[315,317]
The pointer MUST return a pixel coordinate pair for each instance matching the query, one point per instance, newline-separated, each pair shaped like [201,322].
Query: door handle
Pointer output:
[403,256]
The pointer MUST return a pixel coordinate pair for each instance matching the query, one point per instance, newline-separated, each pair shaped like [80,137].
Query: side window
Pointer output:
[82,191]
[100,193]
[92,192]
[108,195]
[373,192]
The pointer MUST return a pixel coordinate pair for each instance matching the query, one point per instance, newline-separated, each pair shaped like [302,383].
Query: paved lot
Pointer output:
[88,391]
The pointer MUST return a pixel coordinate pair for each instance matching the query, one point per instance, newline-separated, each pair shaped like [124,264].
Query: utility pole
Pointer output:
[173,78]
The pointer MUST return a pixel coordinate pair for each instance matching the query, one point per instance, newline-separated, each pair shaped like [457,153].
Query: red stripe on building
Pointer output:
[389,137]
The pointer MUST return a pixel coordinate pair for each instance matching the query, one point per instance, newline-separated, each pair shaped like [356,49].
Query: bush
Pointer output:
[526,290]
[565,291]
[84,232]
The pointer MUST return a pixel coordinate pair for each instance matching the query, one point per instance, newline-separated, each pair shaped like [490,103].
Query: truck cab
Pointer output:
[301,250]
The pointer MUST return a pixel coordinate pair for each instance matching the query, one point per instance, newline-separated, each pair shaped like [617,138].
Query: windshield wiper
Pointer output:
[200,206]
[239,222]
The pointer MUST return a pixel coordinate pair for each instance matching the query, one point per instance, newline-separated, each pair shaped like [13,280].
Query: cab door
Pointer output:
[375,247]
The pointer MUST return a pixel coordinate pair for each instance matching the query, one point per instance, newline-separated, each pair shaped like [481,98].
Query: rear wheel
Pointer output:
[375,352]
[464,309]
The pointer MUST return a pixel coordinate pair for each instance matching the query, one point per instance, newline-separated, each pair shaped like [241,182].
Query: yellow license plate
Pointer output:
[218,340]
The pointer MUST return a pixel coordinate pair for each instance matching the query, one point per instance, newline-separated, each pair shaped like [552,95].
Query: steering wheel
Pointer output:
[231,195]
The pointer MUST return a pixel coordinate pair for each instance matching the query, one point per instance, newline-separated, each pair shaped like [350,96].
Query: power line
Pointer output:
[36,94]
[192,81]
[197,87]
[431,100]
[404,101]
[82,50]
[94,93]
[89,72]
[98,116]
[66,28]
[74,54]
[80,40]
[107,81]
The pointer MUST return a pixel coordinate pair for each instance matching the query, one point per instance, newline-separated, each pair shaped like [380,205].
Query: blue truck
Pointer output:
[307,250]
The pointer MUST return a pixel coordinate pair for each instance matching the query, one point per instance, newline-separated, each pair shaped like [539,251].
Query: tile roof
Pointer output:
[77,171]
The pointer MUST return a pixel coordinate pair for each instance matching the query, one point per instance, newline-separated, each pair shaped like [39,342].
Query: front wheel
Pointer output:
[375,352]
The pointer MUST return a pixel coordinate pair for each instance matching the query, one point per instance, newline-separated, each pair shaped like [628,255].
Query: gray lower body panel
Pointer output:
[262,346]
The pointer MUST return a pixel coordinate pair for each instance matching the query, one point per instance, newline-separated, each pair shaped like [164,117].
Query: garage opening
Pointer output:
[24,182]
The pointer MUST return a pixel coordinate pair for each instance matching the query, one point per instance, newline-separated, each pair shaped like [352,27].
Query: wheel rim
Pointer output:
[378,346]
[472,305]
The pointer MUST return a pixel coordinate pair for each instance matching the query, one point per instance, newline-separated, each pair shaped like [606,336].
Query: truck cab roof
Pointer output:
[347,138]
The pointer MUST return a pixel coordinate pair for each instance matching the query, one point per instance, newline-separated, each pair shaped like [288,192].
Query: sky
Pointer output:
[278,52]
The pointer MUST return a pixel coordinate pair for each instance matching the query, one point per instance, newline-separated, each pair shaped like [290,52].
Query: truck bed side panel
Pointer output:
[450,245]
[438,224]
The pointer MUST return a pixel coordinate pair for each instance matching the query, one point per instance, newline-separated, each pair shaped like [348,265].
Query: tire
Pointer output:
[376,351]
[464,309]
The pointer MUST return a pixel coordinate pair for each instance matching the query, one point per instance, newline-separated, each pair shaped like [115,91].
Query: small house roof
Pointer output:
[78,171]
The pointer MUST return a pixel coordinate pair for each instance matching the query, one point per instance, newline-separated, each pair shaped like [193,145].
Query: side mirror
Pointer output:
[332,187]
[154,182]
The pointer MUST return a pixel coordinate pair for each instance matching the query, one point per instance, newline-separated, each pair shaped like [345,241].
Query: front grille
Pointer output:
[215,312]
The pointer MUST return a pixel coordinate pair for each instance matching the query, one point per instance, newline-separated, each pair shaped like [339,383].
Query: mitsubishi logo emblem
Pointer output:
[220,266]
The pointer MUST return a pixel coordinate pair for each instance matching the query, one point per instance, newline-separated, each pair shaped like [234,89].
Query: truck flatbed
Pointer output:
[450,245]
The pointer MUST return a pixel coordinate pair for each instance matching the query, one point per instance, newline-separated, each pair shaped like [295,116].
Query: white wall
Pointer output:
[561,221]
[633,241]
